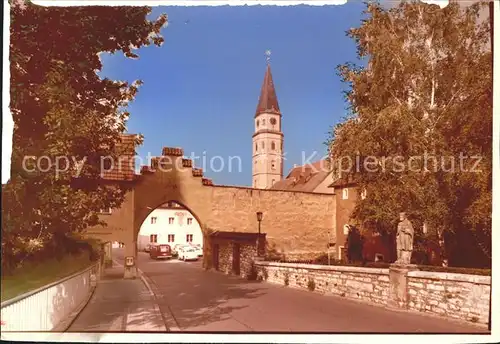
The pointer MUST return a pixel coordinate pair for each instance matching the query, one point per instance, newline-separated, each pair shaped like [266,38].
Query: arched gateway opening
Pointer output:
[170,224]
[292,223]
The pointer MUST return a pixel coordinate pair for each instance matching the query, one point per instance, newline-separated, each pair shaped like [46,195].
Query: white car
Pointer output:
[187,253]
[198,250]
[176,249]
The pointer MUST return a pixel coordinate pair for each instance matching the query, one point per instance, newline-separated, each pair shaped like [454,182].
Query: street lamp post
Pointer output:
[259,219]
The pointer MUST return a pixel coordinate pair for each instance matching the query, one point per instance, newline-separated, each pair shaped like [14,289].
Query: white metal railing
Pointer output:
[45,308]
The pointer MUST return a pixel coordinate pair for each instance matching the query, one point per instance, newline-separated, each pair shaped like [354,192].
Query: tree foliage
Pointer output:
[64,111]
[354,245]
[423,102]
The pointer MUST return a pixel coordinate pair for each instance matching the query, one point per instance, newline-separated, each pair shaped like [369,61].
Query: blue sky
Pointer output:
[201,87]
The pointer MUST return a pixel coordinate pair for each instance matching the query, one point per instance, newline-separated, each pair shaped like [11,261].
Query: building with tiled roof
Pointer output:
[315,177]
[121,168]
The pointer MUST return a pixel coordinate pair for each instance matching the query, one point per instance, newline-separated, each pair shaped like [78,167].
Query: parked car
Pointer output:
[179,249]
[188,253]
[198,249]
[160,251]
[147,248]
[175,249]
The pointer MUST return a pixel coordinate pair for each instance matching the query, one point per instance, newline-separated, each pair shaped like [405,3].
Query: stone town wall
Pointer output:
[295,223]
[226,257]
[452,295]
[247,257]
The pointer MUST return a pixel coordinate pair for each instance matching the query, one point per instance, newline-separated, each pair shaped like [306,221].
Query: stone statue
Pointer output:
[404,240]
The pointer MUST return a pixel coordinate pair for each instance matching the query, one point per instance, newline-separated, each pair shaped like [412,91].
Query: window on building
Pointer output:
[273,145]
[272,182]
[171,238]
[342,253]
[345,193]
[346,229]
[190,221]
[262,144]
[273,165]
[153,220]
[273,121]
[264,121]
[256,147]
[363,194]
[257,123]
[189,237]
[170,220]
[153,238]
[105,211]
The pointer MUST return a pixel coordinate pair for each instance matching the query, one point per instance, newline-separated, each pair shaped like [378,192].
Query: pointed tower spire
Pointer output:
[268,101]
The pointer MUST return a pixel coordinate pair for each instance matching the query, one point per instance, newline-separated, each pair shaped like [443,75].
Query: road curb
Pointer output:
[168,320]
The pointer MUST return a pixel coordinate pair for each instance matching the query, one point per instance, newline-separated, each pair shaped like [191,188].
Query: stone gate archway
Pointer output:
[296,223]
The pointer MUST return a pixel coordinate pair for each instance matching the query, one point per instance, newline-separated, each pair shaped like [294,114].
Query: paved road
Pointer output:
[202,300]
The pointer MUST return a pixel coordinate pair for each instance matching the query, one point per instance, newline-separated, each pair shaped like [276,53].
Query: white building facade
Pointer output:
[170,224]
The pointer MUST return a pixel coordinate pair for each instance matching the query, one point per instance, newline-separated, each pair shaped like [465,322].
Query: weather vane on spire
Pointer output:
[268,56]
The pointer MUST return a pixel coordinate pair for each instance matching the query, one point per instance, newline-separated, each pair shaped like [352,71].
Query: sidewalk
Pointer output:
[119,305]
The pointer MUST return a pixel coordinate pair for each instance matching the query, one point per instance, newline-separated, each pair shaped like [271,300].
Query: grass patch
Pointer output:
[34,275]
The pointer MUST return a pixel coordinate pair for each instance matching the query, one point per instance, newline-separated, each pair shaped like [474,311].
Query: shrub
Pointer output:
[287,279]
[252,274]
[108,263]
[382,265]
[354,244]
[456,270]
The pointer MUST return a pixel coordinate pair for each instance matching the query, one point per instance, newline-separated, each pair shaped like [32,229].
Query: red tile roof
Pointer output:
[124,168]
[305,178]
[343,182]
[172,151]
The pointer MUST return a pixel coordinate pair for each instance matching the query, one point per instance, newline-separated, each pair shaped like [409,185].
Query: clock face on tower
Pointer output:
[273,121]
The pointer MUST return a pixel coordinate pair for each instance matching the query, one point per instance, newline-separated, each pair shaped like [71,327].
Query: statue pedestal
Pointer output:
[398,292]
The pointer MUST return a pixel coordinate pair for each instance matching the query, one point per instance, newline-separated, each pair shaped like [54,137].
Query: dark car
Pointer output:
[160,251]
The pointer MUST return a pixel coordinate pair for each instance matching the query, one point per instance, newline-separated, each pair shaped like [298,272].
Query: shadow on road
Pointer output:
[196,297]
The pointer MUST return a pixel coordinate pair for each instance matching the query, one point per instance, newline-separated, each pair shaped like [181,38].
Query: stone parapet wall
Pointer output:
[366,284]
[452,295]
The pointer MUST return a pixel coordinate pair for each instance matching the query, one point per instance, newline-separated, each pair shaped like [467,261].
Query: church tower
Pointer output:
[267,158]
